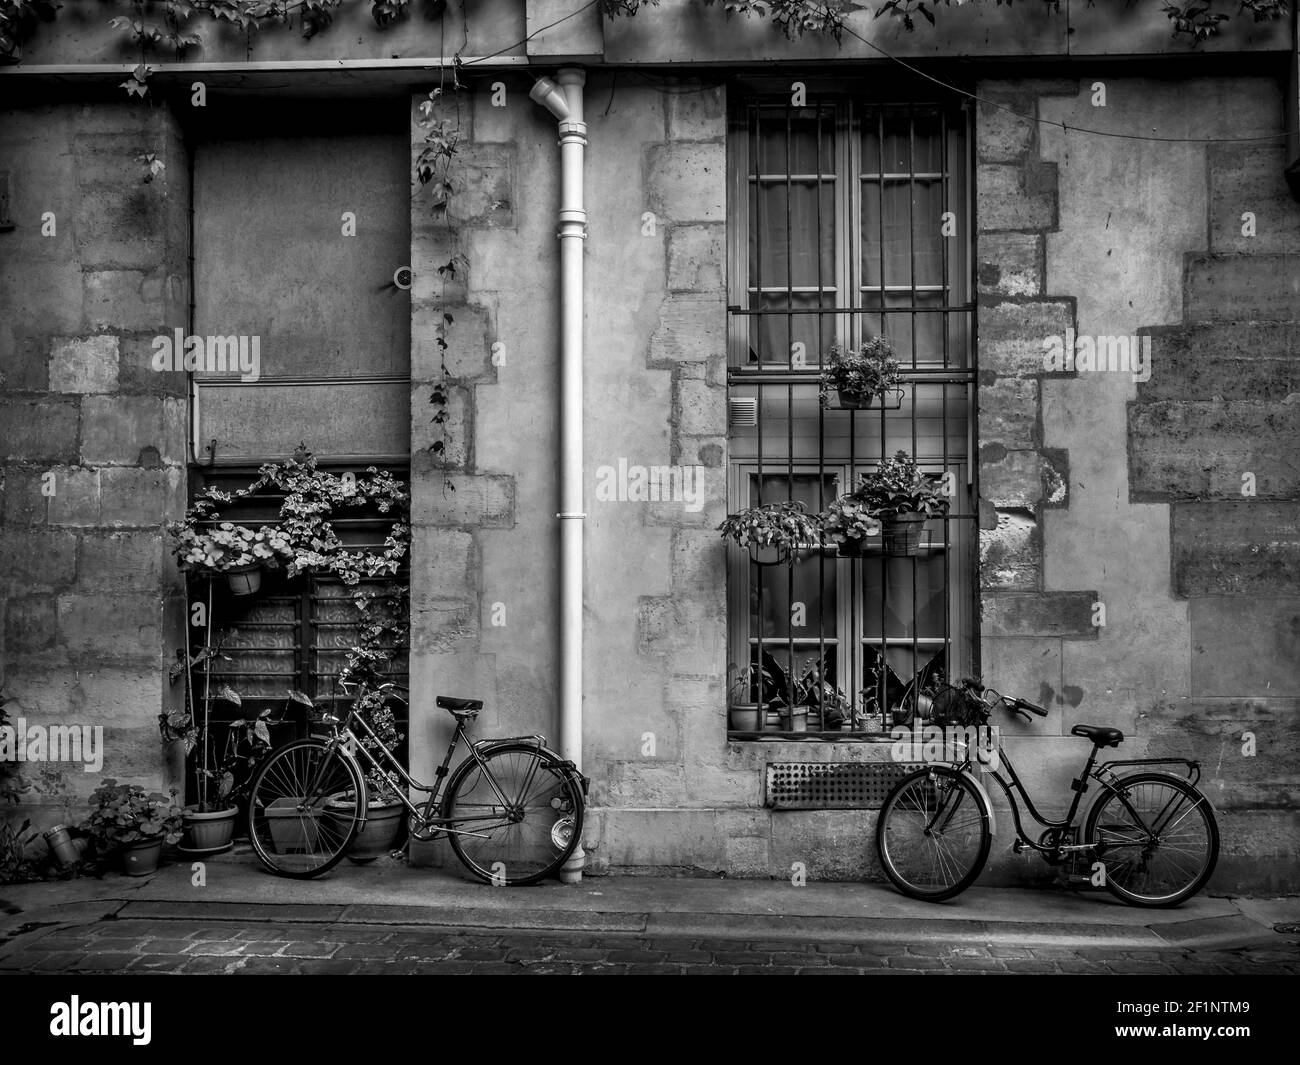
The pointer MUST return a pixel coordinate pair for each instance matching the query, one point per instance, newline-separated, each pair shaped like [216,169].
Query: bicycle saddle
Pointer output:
[1100,735]
[462,708]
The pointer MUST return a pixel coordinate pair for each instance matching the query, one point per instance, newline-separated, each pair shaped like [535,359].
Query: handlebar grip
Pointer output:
[1033,708]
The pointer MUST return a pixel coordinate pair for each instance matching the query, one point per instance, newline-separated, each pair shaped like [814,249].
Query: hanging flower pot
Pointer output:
[769,554]
[860,376]
[856,400]
[244,580]
[853,547]
[774,532]
[902,534]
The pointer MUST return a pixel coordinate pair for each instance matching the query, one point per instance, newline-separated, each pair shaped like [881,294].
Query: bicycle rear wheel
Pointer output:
[933,834]
[1157,839]
[305,806]
[515,819]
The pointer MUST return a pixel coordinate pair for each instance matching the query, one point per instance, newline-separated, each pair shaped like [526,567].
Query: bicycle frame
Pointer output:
[348,745]
[1103,774]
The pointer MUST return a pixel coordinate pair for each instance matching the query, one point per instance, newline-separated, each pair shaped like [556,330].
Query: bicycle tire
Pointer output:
[316,839]
[900,828]
[1122,879]
[469,795]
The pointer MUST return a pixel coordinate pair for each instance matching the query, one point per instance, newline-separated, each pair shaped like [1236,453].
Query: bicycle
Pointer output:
[513,808]
[1153,832]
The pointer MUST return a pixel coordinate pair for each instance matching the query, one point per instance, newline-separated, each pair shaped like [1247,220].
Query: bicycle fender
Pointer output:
[988,803]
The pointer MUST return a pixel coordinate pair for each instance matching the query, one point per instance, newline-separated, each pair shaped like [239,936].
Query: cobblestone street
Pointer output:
[204,946]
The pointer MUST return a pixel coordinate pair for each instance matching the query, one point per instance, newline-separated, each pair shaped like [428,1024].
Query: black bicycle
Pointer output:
[513,808]
[1151,835]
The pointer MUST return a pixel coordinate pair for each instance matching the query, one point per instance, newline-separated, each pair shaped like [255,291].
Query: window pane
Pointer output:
[887,589]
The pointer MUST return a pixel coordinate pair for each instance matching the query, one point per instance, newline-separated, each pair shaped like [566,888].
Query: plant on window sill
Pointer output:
[898,496]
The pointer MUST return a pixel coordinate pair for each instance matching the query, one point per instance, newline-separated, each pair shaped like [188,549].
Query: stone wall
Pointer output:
[1125,578]
[92,440]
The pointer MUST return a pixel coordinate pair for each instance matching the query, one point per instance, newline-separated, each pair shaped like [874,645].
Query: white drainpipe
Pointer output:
[563,98]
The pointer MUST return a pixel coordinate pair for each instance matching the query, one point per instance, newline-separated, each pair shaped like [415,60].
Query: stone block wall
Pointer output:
[92,440]
[1126,578]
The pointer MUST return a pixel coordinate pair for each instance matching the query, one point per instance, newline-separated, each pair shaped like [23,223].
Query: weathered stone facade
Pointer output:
[92,440]
[1124,578]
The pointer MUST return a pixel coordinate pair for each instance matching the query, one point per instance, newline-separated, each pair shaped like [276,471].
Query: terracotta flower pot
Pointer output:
[378,834]
[141,857]
[856,400]
[744,718]
[902,534]
[795,719]
[292,832]
[208,831]
[244,580]
[769,554]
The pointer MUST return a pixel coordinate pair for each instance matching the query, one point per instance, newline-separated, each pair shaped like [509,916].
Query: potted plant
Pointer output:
[902,498]
[127,820]
[384,810]
[849,523]
[774,532]
[860,376]
[749,699]
[303,537]
[237,552]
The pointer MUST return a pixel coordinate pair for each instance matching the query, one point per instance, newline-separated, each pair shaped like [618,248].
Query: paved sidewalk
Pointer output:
[375,913]
[183,945]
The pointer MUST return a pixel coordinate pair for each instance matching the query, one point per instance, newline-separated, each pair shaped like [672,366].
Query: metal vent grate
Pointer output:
[832,785]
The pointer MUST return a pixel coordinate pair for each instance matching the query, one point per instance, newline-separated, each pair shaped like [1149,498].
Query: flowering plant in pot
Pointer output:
[126,819]
[774,532]
[860,375]
[849,523]
[902,498]
[236,551]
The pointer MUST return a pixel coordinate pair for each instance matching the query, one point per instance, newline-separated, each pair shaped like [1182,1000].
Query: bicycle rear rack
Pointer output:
[1193,766]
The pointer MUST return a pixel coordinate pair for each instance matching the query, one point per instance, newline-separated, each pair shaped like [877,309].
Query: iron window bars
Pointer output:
[850,218]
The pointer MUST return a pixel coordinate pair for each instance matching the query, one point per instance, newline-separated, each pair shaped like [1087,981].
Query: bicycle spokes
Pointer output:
[304,808]
[1154,839]
[513,818]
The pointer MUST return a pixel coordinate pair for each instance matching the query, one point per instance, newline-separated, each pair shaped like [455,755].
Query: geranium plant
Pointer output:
[860,374]
[784,527]
[849,521]
[897,486]
[126,813]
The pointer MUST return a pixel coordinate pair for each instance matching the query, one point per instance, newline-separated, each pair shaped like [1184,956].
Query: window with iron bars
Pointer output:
[849,218]
[294,633]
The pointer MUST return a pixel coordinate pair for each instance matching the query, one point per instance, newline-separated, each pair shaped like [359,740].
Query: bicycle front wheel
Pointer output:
[933,834]
[516,818]
[305,806]
[1156,838]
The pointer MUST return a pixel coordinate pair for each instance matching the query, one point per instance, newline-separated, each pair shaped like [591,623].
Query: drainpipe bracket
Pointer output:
[562,516]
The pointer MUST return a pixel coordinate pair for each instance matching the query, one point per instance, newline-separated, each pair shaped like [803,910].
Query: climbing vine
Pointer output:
[433,163]
[1195,20]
